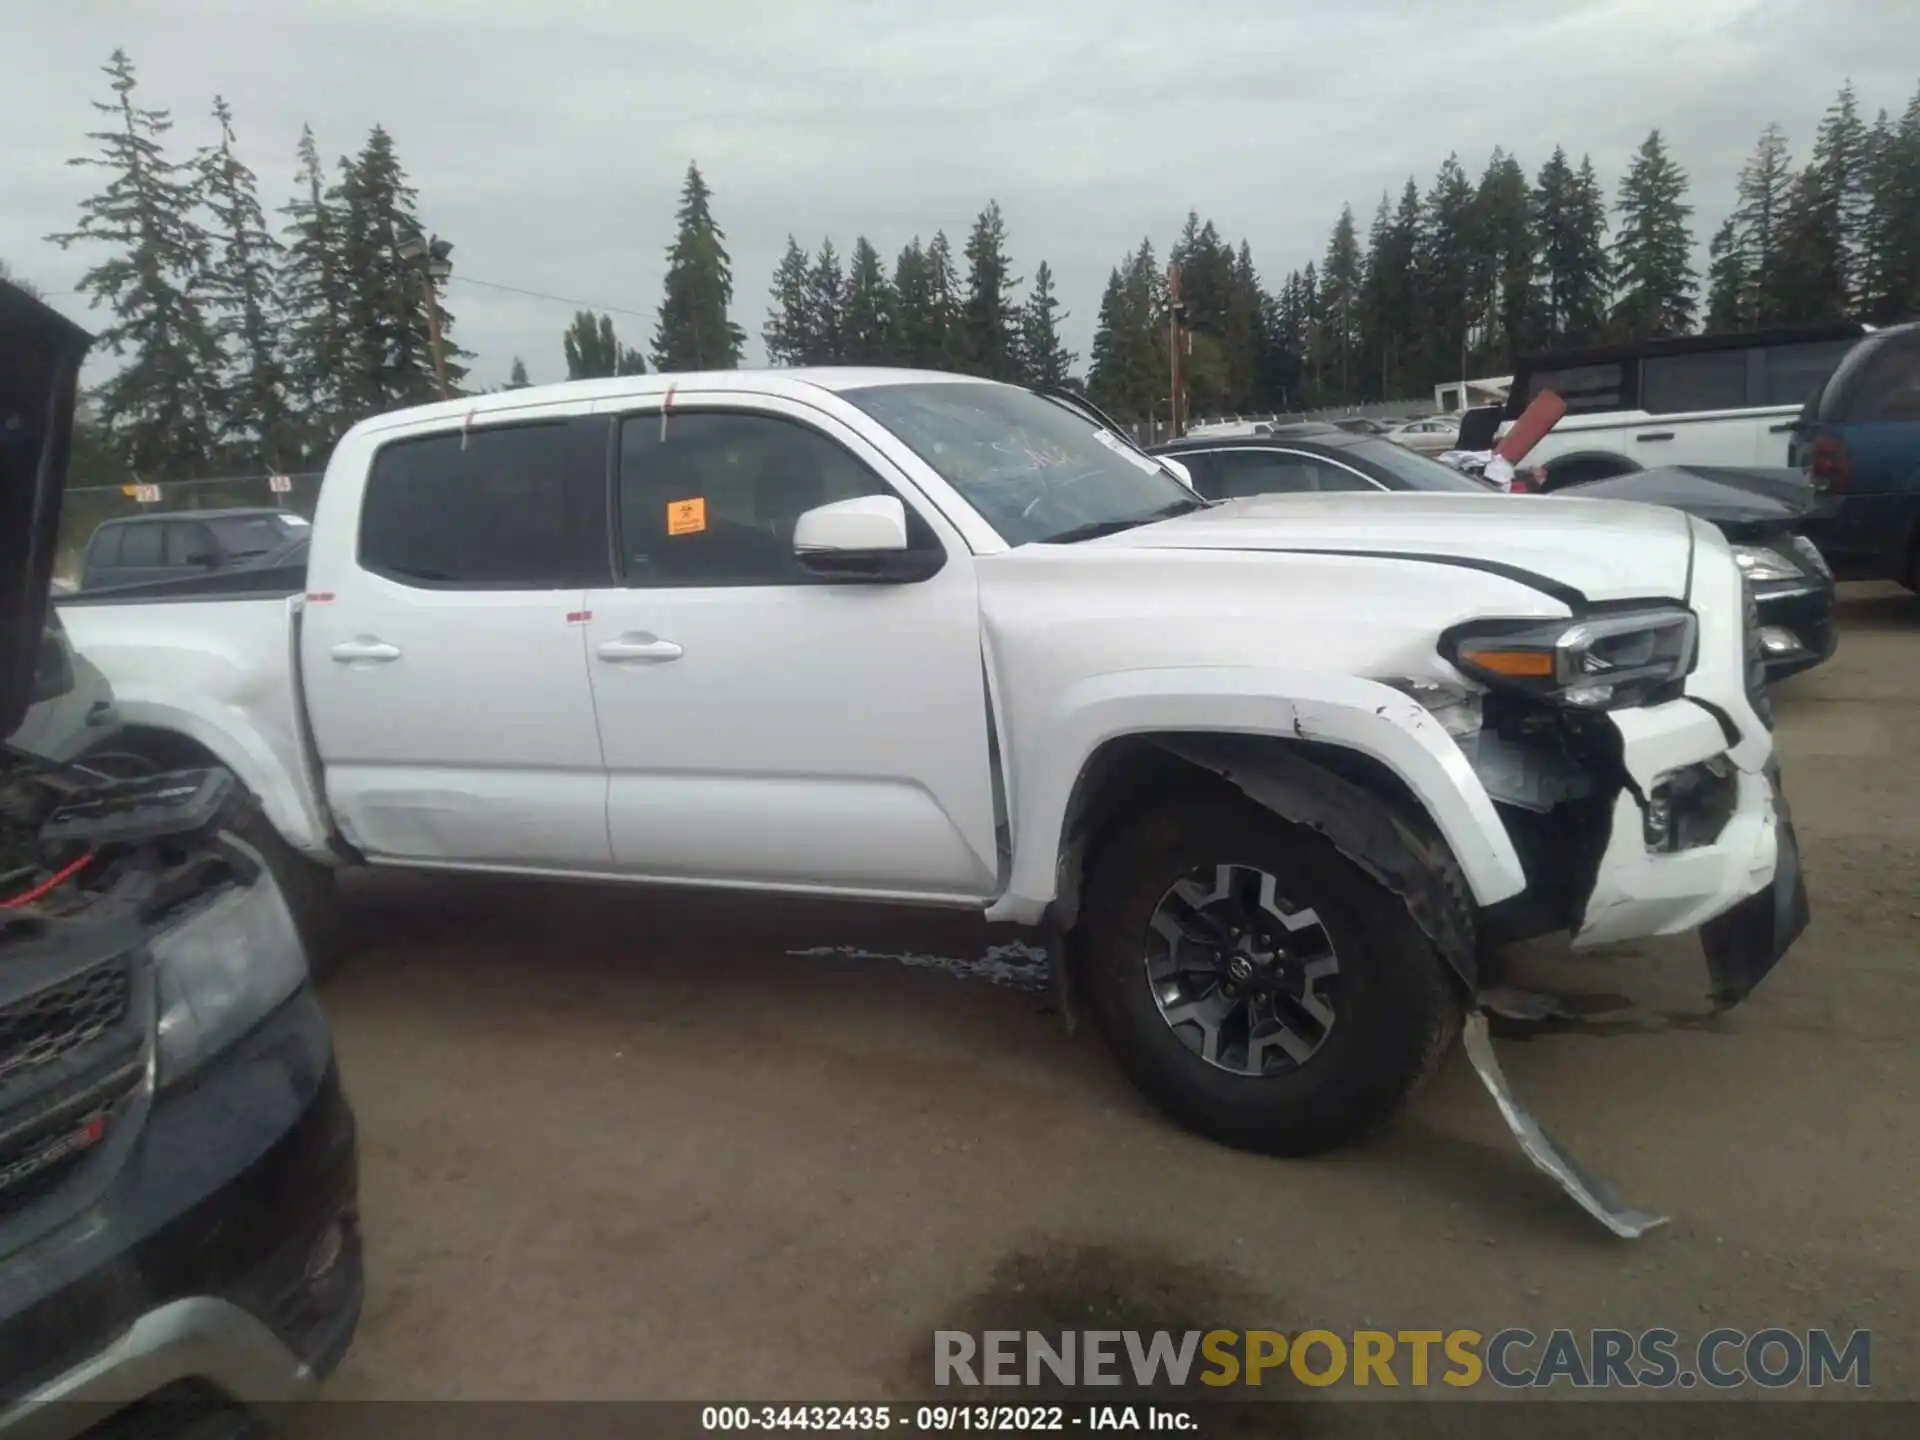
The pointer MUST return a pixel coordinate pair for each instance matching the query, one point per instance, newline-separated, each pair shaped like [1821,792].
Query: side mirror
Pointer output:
[205,559]
[864,538]
[1180,471]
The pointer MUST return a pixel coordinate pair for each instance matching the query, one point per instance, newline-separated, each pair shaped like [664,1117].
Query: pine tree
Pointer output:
[593,350]
[315,291]
[517,376]
[1890,280]
[1653,249]
[1570,218]
[826,287]
[1508,245]
[943,304]
[1727,287]
[1757,225]
[916,340]
[1044,357]
[1244,336]
[390,353]
[1106,361]
[158,409]
[1840,159]
[1390,310]
[694,332]
[1129,373]
[1313,358]
[989,316]
[788,330]
[1445,266]
[1340,281]
[867,317]
[253,418]
[1809,280]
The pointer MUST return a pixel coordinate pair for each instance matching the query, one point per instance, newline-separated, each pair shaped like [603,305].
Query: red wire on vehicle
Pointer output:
[51,883]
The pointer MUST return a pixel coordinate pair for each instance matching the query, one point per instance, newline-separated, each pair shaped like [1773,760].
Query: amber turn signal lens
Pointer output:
[1514,664]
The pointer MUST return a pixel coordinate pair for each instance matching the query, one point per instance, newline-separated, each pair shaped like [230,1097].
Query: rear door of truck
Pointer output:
[443,648]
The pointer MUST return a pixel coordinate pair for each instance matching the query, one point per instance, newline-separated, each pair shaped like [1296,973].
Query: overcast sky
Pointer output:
[548,140]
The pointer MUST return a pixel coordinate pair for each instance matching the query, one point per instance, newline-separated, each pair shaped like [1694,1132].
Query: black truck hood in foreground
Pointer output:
[1745,502]
[40,355]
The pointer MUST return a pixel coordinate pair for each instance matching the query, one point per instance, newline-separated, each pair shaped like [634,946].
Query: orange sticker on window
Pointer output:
[686,517]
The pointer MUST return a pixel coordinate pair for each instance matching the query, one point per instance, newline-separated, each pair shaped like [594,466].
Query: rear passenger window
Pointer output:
[1672,384]
[140,545]
[189,544]
[512,507]
[105,549]
[1794,373]
[711,498]
[1587,389]
[1887,387]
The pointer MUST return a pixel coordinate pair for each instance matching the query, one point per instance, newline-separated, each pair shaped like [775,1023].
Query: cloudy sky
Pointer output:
[548,140]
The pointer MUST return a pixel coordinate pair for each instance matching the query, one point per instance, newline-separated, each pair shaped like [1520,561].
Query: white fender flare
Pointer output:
[258,761]
[1362,715]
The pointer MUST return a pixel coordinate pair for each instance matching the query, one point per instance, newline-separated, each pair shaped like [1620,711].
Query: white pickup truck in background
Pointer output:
[1723,399]
[1271,772]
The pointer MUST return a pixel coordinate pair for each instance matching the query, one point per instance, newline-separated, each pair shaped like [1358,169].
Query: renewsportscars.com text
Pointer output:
[1721,1359]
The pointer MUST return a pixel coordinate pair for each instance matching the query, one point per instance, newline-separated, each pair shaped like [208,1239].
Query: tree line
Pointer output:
[252,344]
[1459,280]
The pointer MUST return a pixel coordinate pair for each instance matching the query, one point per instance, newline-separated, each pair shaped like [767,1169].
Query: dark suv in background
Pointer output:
[1858,439]
[178,1175]
[145,548]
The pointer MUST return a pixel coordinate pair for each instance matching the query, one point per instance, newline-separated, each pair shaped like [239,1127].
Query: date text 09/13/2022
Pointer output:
[945,1419]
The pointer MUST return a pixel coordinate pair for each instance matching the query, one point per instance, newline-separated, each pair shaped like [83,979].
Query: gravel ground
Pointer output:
[619,1144]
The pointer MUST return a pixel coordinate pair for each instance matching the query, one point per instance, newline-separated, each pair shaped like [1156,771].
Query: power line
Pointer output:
[558,299]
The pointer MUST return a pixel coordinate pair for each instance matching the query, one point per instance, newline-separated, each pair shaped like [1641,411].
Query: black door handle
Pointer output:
[1782,429]
[1655,435]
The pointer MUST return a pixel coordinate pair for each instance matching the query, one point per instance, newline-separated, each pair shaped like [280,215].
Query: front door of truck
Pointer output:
[445,658]
[762,726]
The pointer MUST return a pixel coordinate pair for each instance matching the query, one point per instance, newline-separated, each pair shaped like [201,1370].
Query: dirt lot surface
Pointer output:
[629,1145]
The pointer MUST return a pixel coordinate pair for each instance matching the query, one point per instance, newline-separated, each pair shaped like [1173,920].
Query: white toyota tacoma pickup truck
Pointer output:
[1274,773]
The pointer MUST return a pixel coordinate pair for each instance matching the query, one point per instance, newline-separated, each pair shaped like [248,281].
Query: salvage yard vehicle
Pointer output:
[1721,399]
[1270,772]
[141,548]
[1858,440]
[178,1174]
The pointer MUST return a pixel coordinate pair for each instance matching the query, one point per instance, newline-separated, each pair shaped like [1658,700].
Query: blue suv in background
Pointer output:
[1858,439]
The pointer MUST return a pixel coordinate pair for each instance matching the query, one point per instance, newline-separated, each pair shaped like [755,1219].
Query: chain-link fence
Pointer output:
[85,507]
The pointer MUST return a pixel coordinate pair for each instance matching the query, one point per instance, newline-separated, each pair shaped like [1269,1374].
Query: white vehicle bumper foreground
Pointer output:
[1649,882]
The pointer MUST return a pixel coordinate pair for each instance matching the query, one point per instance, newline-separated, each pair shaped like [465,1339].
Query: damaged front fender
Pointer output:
[1418,869]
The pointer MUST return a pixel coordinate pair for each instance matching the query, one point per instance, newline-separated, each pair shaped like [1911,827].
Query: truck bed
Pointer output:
[216,663]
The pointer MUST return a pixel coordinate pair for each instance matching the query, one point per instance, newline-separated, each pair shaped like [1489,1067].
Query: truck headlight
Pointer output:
[1762,563]
[222,968]
[1600,662]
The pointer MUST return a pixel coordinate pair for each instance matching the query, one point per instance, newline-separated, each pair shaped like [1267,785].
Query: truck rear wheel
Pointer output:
[1256,985]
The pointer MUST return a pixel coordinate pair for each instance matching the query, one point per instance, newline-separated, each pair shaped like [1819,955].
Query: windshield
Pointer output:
[1035,470]
[1411,471]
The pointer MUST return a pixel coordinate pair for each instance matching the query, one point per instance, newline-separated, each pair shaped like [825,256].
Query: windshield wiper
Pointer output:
[1094,529]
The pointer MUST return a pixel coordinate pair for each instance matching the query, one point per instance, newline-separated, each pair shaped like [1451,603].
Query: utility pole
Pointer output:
[431,258]
[1176,311]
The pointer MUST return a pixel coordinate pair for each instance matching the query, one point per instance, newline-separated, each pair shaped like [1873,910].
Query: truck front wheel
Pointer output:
[1255,984]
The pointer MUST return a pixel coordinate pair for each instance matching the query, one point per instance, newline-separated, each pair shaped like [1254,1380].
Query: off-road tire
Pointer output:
[1398,1014]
